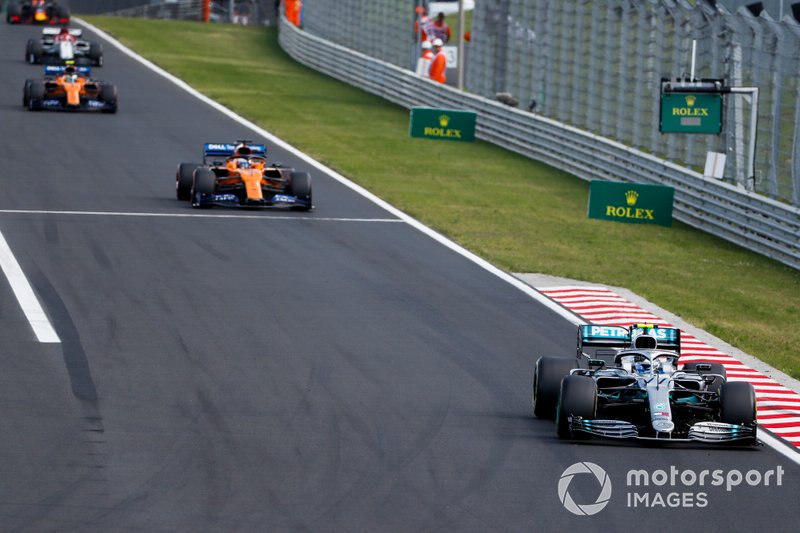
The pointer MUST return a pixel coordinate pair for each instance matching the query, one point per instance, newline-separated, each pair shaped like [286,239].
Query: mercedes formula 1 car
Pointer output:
[37,12]
[69,88]
[237,175]
[629,386]
[63,47]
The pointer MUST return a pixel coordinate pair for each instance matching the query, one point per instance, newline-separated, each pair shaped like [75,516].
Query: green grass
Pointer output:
[519,214]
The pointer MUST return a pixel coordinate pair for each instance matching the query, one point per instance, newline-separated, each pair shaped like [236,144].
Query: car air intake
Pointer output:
[645,342]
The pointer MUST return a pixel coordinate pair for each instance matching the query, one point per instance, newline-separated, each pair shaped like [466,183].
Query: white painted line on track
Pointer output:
[441,239]
[27,299]
[192,215]
[779,446]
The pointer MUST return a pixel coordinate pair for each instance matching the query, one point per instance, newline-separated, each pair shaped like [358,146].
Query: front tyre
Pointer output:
[204,185]
[301,188]
[547,376]
[738,405]
[108,95]
[184,178]
[578,398]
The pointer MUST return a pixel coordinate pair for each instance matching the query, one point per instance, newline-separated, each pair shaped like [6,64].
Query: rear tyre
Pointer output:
[62,14]
[578,398]
[183,180]
[547,376]
[716,368]
[301,188]
[738,405]
[13,10]
[204,183]
[96,54]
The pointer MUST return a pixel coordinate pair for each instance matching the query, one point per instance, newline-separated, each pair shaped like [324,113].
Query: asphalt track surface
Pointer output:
[328,371]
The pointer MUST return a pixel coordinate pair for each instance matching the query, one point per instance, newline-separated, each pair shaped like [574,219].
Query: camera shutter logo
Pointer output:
[602,498]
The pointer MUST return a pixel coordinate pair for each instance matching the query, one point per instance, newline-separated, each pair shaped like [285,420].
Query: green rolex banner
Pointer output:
[631,202]
[443,124]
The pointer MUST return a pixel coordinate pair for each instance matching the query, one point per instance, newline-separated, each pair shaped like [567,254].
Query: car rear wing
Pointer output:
[229,149]
[51,32]
[617,338]
[53,70]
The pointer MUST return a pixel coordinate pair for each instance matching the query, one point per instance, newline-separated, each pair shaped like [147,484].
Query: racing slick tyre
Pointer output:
[28,46]
[738,405]
[716,368]
[13,10]
[26,92]
[184,178]
[301,188]
[578,397]
[547,376]
[36,94]
[108,94]
[96,54]
[61,14]
[35,51]
[204,183]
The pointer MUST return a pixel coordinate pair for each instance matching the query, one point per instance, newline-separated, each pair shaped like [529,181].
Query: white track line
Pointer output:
[27,299]
[190,215]
[505,276]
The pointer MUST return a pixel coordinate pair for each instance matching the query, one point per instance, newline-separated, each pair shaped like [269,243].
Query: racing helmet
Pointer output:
[242,162]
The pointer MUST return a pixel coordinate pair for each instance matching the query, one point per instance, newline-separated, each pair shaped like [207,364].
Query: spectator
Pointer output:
[424,61]
[241,14]
[438,70]
[422,24]
[439,29]
[293,9]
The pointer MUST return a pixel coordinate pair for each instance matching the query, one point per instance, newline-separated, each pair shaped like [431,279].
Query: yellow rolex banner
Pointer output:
[443,124]
[631,202]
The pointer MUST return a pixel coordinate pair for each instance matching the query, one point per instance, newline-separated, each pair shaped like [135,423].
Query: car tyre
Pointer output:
[578,397]
[184,178]
[35,52]
[26,92]
[547,376]
[108,94]
[204,182]
[300,187]
[96,54]
[13,10]
[738,405]
[36,94]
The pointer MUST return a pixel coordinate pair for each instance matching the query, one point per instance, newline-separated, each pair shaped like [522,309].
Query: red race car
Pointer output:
[37,12]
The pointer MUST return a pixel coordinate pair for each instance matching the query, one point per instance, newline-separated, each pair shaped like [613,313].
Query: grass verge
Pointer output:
[519,214]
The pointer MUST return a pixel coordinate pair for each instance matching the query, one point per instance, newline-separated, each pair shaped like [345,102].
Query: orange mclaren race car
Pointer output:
[37,12]
[69,89]
[237,175]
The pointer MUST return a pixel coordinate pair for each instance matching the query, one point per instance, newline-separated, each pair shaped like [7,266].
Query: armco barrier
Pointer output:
[752,221]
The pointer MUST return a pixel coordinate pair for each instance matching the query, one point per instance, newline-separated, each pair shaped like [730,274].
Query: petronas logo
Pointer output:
[631,197]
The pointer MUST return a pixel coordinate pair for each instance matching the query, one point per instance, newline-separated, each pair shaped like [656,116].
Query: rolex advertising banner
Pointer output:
[443,124]
[631,202]
[691,113]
